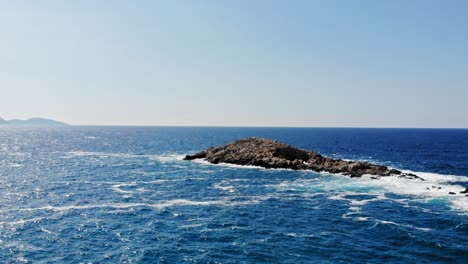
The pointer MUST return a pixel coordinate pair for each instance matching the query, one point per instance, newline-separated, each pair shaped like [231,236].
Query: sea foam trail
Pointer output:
[165,157]
[402,225]
[118,187]
[117,206]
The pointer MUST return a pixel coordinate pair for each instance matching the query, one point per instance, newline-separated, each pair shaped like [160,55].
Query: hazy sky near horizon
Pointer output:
[236,63]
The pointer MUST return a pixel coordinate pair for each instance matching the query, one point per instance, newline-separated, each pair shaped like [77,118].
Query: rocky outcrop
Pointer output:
[273,154]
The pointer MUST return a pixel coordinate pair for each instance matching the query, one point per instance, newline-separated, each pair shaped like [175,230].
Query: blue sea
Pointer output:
[125,195]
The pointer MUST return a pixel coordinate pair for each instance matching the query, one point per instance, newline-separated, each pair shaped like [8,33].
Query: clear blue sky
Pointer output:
[247,63]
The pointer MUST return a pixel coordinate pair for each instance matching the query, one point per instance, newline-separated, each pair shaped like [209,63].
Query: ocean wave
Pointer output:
[224,186]
[47,231]
[402,225]
[118,188]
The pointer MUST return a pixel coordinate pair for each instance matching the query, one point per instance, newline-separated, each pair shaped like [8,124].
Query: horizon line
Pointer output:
[251,126]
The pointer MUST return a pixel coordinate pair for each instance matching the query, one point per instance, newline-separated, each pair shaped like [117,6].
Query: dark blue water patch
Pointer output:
[461,183]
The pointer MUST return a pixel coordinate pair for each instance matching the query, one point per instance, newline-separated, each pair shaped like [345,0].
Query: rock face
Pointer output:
[269,153]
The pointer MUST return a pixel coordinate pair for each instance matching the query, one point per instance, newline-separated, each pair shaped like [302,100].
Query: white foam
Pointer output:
[237,166]
[224,186]
[191,226]
[168,157]
[404,225]
[362,219]
[99,154]
[352,215]
[15,165]
[165,157]
[141,190]
[439,177]
[117,187]
[427,190]
[22,259]
[365,201]
[162,205]
[48,231]
[414,187]
[22,221]
[338,197]
[19,154]
[122,238]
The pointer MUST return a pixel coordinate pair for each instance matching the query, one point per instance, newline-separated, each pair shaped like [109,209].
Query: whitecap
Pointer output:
[118,187]
[190,226]
[15,165]
[362,219]
[22,259]
[222,186]
[166,157]
[237,166]
[403,225]
[48,231]
[122,238]
[23,221]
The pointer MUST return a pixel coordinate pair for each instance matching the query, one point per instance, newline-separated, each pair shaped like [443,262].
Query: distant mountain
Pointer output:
[32,122]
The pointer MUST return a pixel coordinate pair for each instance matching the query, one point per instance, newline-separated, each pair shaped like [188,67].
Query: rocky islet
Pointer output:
[272,154]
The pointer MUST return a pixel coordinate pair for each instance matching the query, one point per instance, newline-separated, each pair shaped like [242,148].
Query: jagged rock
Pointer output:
[199,155]
[465,191]
[269,153]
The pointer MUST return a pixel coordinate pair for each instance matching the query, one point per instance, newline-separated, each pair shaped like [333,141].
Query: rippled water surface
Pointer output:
[124,194]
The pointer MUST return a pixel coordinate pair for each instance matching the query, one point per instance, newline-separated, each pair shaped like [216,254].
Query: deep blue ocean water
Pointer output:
[124,195]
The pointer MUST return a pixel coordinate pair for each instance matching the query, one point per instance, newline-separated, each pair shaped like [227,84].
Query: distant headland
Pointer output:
[32,122]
